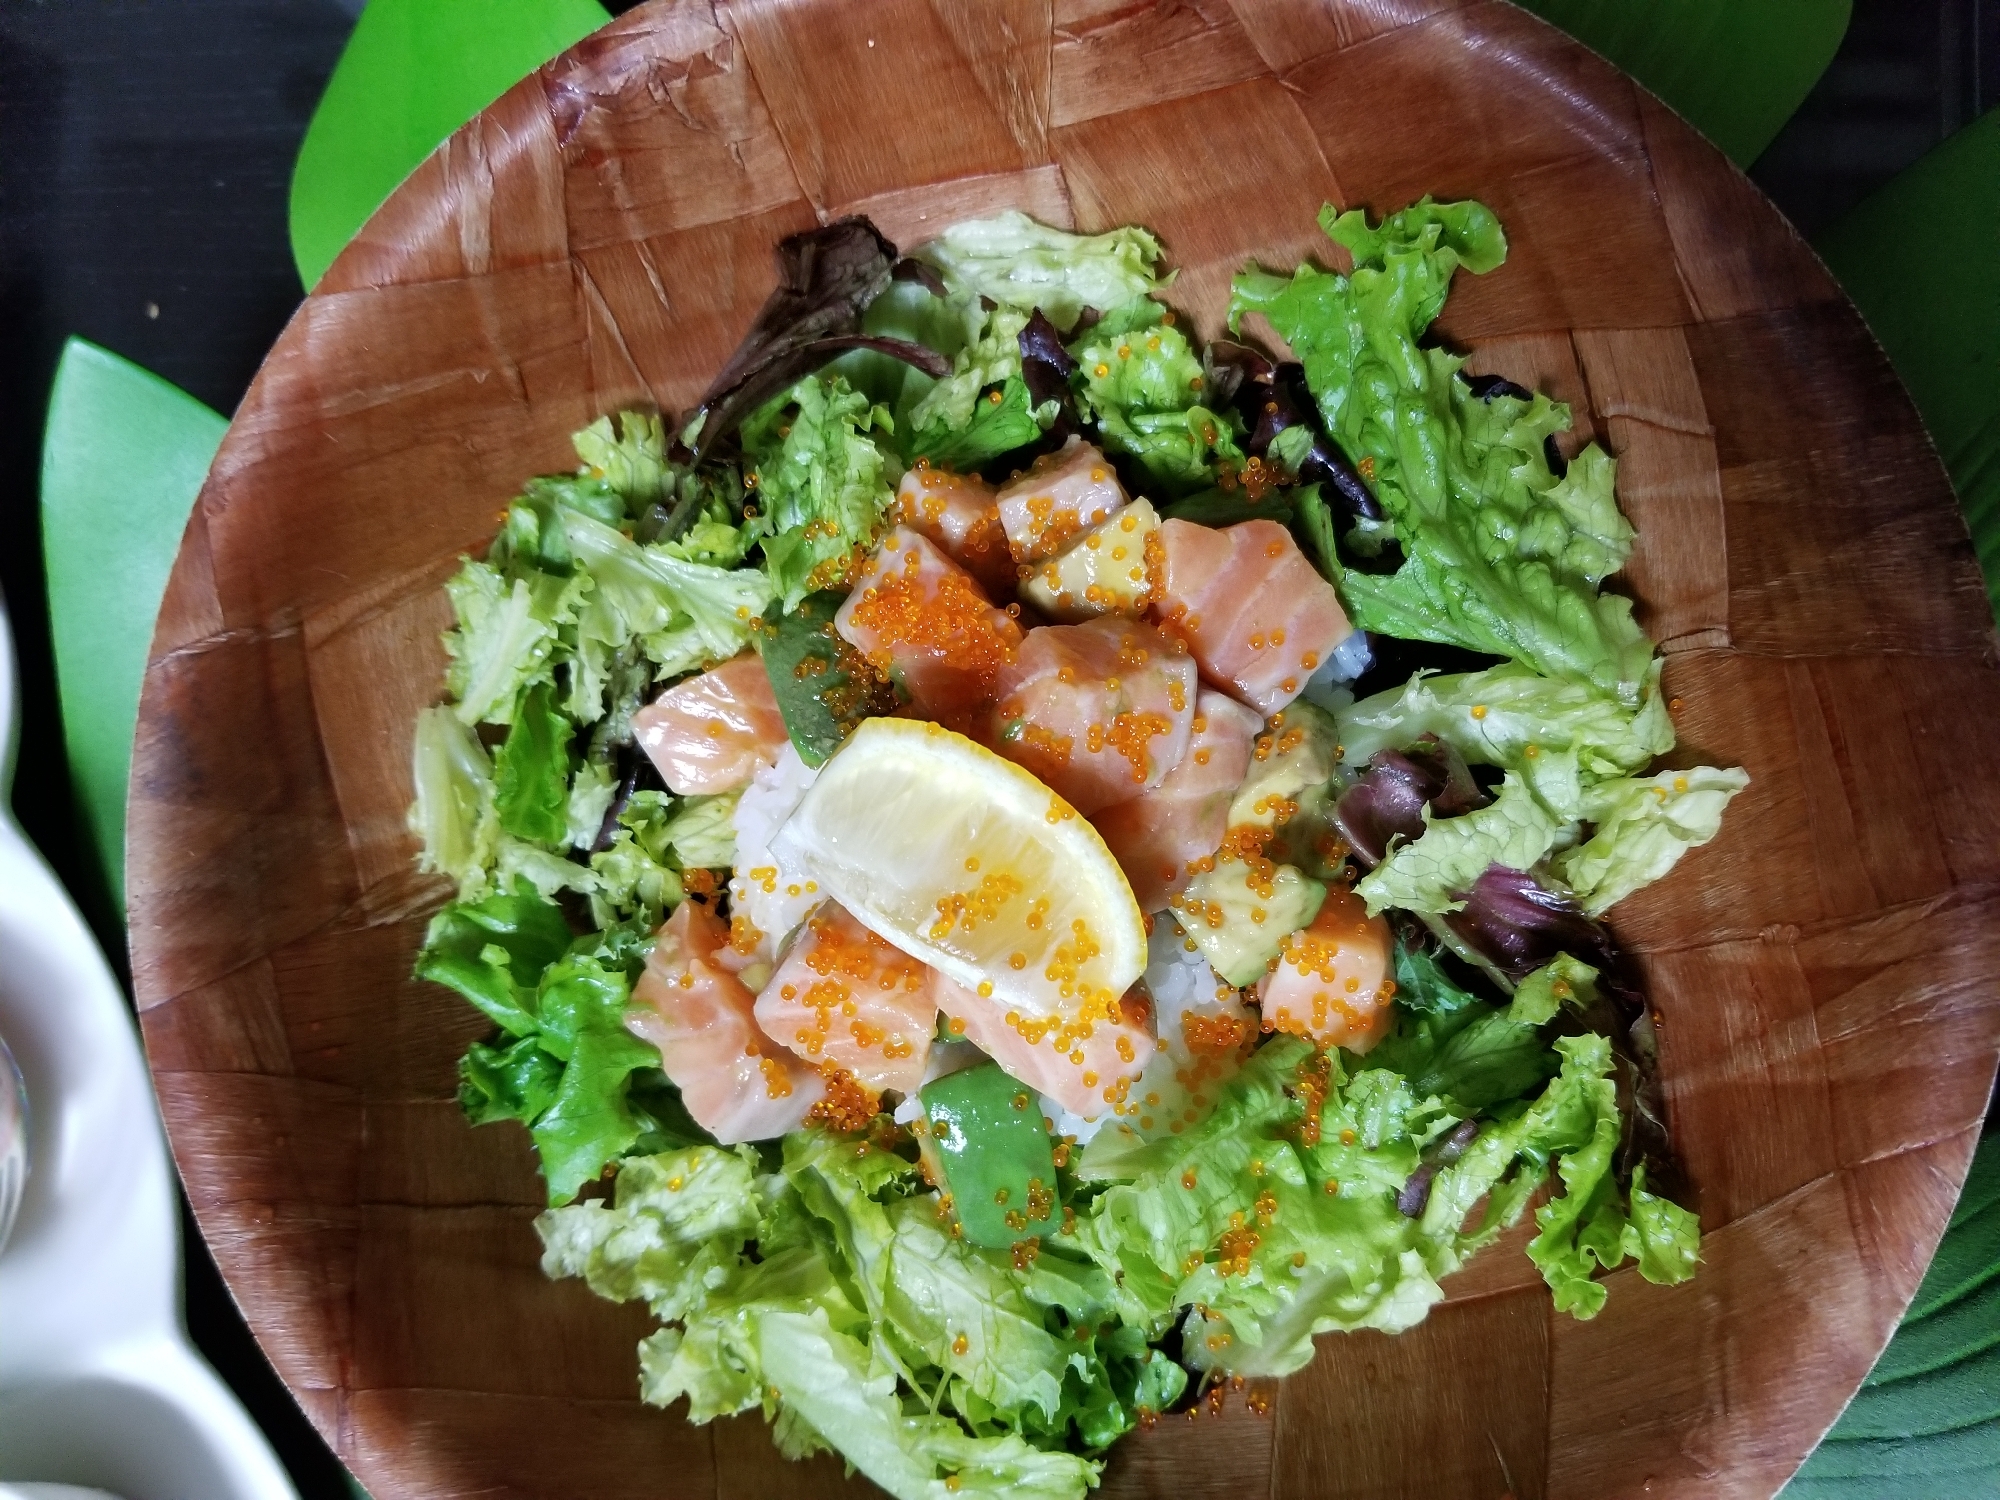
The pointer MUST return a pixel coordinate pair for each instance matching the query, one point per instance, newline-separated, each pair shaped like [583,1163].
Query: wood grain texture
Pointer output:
[1827,973]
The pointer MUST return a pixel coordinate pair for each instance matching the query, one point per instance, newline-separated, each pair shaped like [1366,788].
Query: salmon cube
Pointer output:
[960,516]
[736,1083]
[1101,712]
[1086,1067]
[843,995]
[1332,983]
[1158,837]
[922,622]
[712,731]
[1257,615]
[1061,496]
[1114,568]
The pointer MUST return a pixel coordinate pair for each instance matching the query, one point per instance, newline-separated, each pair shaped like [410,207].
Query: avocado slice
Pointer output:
[1240,930]
[987,1137]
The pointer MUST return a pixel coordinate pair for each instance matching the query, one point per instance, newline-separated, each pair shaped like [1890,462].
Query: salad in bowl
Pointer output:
[1023,865]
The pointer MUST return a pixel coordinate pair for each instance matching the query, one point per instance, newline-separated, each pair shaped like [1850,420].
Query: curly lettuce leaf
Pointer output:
[1492,717]
[1019,263]
[655,839]
[1473,1059]
[682,615]
[628,455]
[825,480]
[505,637]
[517,1081]
[512,956]
[676,1223]
[991,358]
[1142,381]
[531,773]
[453,813]
[1429,874]
[824,1291]
[494,952]
[1501,556]
[995,427]
[1564,980]
[847,1395]
[1644,825]
[1165,1227]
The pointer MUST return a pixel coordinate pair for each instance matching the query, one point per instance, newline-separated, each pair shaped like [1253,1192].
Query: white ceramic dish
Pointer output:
[98,1384]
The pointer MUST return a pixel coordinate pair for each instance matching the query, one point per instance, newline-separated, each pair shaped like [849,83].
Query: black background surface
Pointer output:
[146,149]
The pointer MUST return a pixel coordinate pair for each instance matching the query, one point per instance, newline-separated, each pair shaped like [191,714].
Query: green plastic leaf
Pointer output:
[1927,1422]
[1944,1464]
[123,457]
[1933,299]
[1967,1259]
[413,72]
[1956,1331]
[1736,69]
[1941,1400]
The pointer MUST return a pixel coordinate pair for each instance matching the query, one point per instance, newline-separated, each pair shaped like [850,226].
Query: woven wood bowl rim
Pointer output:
[1825,971]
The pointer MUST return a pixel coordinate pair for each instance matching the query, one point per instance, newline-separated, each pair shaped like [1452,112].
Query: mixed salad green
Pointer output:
[1474,765]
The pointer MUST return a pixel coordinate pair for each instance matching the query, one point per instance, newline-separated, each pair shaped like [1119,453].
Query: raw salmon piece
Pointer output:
[922,622]
[843,995]
[1331,984]
[1099,711]
[960,516]
[1087,1075]
[1113,569]
[1157,837]
[736,1083]
[1061,496]
[711,732]
[1257,616]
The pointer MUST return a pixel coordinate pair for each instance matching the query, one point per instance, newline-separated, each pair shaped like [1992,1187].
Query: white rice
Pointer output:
[1328,688]
[773,795]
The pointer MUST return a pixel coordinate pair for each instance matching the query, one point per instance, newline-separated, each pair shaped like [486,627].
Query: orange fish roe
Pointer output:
[776,1084]
[1314,1078]
[743,935]
[844,995]
[848,1104]
[951,617]
[1130,733]
[968,910]
[1237,1245]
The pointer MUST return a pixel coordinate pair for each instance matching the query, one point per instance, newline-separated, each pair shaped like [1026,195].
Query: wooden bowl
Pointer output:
[602,235]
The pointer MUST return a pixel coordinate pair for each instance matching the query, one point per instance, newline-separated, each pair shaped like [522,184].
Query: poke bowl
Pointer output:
[1816,984]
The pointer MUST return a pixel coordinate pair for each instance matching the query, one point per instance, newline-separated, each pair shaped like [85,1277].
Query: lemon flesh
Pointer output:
[971,864]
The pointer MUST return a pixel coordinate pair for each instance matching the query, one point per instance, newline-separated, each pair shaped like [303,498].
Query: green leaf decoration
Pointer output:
[1918,259]
[1927,1422]
[1954,1332]
[1735,69]
[413,72]
[1921,259]
[123,456]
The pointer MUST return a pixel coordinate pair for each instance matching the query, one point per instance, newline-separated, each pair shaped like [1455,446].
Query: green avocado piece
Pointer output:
[1304,749]
[1238,945]
[987,1134]
[1299,769]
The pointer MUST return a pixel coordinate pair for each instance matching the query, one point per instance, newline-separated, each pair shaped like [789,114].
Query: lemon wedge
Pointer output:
[971,864]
